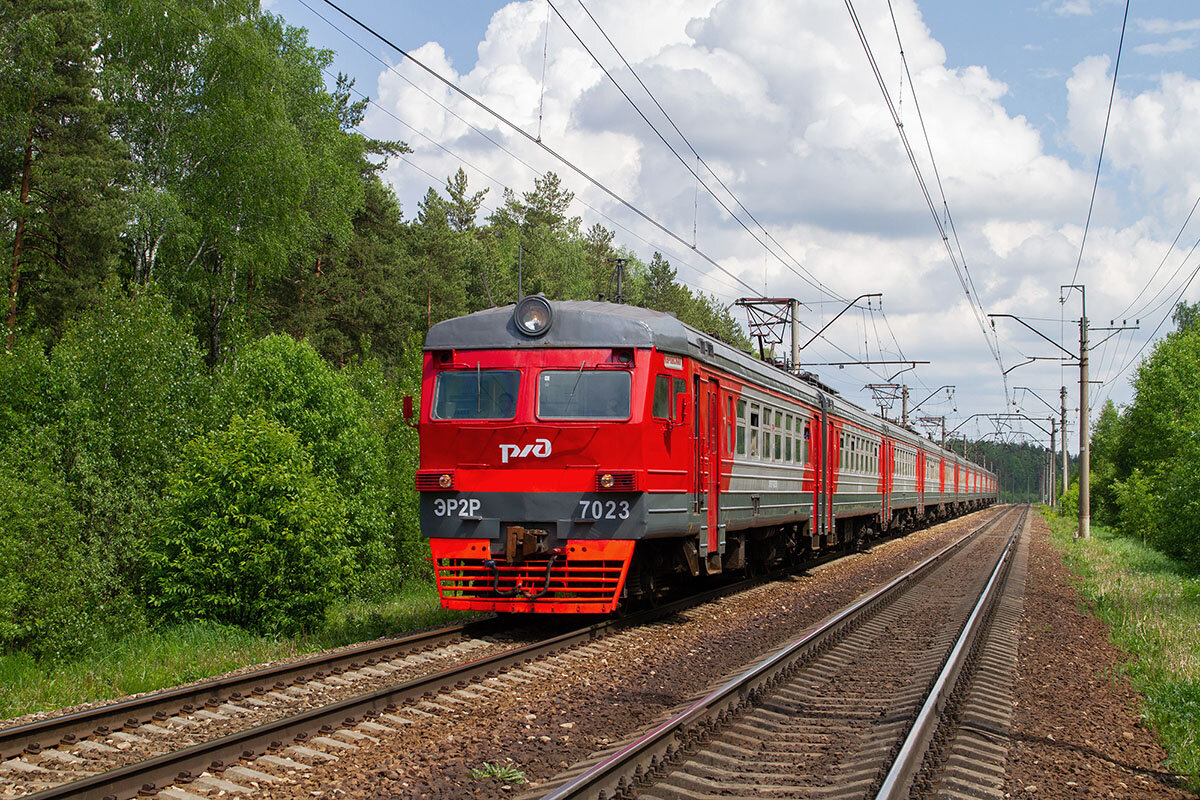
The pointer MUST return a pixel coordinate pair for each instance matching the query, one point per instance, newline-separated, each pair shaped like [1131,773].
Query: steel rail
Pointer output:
[609,774]
[160,771]
[898,782]
[50,731]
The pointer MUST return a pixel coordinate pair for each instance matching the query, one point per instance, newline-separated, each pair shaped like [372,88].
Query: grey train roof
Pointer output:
[587,323]
[577,323]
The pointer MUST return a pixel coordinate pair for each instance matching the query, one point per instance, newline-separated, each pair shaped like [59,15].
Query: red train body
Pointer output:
[575,454]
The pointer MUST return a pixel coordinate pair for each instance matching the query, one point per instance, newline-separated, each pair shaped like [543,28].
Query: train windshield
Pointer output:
[583,394]
[476,394]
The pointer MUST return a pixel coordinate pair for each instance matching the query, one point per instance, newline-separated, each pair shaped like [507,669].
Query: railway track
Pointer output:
[865,704]
[220,735]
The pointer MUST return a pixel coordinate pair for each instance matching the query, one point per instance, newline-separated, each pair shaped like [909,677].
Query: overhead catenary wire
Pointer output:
[961,270]
[532,139]
[1103,138]
[497,182]
[562,159]
[666,250]
[807,276]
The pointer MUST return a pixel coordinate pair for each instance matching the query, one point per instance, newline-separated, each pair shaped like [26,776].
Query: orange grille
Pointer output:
[588,579]
[621,481]
[428,481]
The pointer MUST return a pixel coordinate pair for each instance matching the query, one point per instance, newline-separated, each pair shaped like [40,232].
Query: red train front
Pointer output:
[533,454]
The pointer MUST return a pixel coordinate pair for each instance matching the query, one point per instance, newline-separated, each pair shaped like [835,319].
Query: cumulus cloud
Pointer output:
[778,98]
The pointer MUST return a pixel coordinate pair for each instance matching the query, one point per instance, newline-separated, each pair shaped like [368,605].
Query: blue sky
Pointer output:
[777,95]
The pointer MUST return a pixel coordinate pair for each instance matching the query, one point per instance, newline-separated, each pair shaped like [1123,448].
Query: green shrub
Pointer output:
[58,597]
[134,390]
[1137,507]
[1069,507]
[384,397]
[1179,529]
[250,535]
[290,382]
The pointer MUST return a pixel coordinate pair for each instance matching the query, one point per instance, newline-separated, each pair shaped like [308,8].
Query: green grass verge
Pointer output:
[157,659]
[1152,604]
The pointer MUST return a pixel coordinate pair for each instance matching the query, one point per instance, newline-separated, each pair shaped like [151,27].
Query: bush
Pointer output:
[1137,507]
[1179,531]
[134,391]
[384,398]
[250,535]
[57,593]
[290,382]
[1069,507]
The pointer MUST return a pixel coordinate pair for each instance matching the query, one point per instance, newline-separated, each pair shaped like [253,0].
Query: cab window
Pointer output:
[476,394]
[583,394]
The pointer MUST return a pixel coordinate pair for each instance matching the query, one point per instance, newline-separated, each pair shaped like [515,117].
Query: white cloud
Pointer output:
[1168,26]
[778,98]
[1073,8]
[1176,44]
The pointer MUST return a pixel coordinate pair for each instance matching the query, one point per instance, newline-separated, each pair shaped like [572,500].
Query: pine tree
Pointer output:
[61,169]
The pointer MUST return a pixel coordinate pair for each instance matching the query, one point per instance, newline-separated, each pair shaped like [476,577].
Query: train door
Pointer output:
[708,460]
[814,442]
[713,446]
[887,469]
[921,481]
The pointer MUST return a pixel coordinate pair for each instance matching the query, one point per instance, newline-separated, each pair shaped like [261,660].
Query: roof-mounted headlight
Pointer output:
[533,315]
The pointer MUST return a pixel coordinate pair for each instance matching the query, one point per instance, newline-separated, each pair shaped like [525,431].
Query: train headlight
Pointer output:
[533,315]
[606,480]
[445,481]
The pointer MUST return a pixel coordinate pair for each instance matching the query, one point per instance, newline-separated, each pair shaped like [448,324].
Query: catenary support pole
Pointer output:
[1062,424]
[1085,510]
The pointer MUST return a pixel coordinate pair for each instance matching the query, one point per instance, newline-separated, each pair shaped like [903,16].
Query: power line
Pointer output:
[808,276]
[1100,159]
[962,272]
[497,182]
[1161,322]
[595,182]
[1158,269]
[551,151]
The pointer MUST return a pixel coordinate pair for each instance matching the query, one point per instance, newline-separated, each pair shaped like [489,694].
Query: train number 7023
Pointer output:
[600,509]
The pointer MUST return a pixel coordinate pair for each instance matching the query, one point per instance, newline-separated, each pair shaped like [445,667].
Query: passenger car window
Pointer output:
[583,394]
[741,427]
[476,394]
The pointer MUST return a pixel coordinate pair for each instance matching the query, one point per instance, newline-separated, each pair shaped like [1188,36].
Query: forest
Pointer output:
[215,308]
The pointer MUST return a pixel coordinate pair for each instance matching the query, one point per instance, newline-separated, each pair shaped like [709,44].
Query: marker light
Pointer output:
[445,481]
[606,480]
[533,315]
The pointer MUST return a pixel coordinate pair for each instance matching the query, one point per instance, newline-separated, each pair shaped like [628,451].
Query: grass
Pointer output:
[506,772]
[155,659]
[1152,604]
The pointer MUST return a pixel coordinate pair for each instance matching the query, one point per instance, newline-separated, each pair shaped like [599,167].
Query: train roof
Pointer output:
[592,324]
[577,323]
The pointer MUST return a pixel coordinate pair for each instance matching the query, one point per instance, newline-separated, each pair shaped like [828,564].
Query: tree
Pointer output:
[243,166]
[59,197]
[462,206]
[1105,450]
[1186,316]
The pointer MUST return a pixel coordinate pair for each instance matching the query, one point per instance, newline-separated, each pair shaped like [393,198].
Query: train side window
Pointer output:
[787,439]
[741,427]
[729,425]
[755,425]
[662,397]
[680,389]
[804,454]
[778,435]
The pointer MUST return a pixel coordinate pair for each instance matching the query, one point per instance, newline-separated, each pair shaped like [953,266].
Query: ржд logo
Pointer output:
[540,448]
